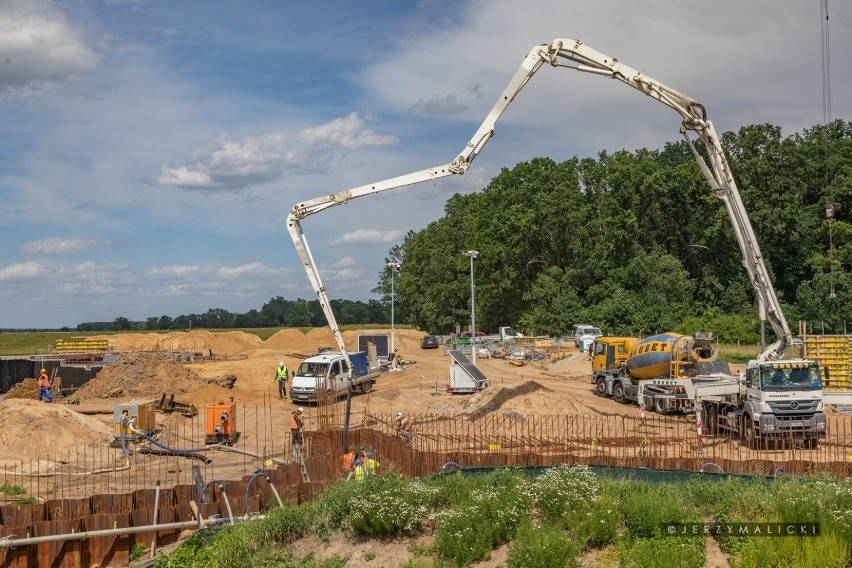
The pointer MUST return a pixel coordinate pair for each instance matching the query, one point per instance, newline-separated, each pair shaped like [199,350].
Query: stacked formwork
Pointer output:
[834,355]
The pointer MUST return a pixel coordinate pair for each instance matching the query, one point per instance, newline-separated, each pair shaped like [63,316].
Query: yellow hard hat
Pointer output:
[43,371]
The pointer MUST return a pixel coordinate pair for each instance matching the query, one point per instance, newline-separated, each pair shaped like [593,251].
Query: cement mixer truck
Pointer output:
[667,358]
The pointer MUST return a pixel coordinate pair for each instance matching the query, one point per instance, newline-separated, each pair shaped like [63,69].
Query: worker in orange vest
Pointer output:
[44,386]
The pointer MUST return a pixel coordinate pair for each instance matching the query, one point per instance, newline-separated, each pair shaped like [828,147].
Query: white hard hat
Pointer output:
[300,410]
[399,414]
[281,364]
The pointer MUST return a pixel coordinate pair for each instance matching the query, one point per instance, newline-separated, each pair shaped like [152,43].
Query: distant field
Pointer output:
[40,342]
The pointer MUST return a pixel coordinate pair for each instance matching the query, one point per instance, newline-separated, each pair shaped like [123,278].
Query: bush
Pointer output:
[663,552]
[388,505]
[648,508]
[826,551]
[489,517]
[597,526]
[545,547]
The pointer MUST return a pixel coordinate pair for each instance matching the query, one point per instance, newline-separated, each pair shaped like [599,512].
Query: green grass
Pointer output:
[551,520]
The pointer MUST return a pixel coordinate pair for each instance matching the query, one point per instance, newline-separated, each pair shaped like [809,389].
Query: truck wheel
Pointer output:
[711,419]
[747,431]
[660,406]
[600,386]
[618,393]
[366,386]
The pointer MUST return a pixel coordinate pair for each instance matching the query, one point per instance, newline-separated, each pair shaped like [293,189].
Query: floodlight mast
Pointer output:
[573,54]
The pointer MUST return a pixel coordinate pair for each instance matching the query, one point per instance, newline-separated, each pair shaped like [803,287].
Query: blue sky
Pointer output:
[151,150]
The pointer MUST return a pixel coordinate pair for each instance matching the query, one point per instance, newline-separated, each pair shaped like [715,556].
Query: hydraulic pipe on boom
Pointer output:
[573,54]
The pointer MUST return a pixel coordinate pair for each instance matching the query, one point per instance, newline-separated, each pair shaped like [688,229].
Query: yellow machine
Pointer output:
[140,413]
[833,353]
[221,422]
[611,352]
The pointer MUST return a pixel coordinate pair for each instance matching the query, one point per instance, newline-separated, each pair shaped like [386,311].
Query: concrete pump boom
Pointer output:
[573,54]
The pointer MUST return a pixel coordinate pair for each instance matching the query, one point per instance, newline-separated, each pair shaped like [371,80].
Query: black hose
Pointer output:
[169,448]
[178,453]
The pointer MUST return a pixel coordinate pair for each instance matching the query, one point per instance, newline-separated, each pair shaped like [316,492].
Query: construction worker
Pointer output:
[296,432]
[371,465]
[404,427]
[44,386]
[281,377]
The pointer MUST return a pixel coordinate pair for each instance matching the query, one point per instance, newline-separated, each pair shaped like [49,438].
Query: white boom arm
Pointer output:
[573,54]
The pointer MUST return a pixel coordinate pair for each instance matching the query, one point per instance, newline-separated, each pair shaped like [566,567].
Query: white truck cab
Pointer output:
[329,373]
[585,335]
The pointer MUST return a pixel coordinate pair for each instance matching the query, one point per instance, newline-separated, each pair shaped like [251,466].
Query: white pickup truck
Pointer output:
[329,374]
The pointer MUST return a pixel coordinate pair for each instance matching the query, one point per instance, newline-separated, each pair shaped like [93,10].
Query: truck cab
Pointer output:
[584,335]
[329,374]
[610,353]
[783,399]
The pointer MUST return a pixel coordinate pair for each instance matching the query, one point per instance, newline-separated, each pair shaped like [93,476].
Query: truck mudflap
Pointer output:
[802,427]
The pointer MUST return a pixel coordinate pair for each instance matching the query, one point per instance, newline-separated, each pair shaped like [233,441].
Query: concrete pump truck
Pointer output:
[753,405]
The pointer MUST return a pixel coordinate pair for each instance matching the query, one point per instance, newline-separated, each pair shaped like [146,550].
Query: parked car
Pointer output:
[478,333]
[429,342]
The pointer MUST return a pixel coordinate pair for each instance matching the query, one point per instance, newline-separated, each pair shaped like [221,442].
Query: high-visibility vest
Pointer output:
[405,424]
[295,421]
[282,373]
[360,472]
[43,380]
[347,461]
[371,466]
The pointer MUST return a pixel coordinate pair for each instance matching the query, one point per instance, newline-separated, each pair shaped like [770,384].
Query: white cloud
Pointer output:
[250,269]
[257,160]
[38,45]
[175,271]
[446,105]
[345,262]
[22,271]
[58,246]
[347,133]
[177,290]
[368,237]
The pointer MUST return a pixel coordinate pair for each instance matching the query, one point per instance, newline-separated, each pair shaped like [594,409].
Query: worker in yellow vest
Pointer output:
[281,378]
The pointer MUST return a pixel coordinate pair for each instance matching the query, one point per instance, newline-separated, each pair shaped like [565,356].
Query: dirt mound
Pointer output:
[289,340]
[30,429]
[198,341]
[28,388]
[494,398]
[141,375]
[576,364]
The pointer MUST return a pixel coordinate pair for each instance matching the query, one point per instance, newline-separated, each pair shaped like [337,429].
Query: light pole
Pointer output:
[472,254]
[829,213]
[392,265]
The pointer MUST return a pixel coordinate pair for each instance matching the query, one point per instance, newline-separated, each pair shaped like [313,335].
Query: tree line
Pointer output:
[277,312]
[634,242]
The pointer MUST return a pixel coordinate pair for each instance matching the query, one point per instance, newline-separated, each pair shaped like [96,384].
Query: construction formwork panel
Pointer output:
[833,352]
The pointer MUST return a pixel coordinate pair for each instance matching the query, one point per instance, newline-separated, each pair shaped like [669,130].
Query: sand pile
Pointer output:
[141,375]
[31,430]
[197,341]
[290,340]
[28,388]
[529,396]
[576,364]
